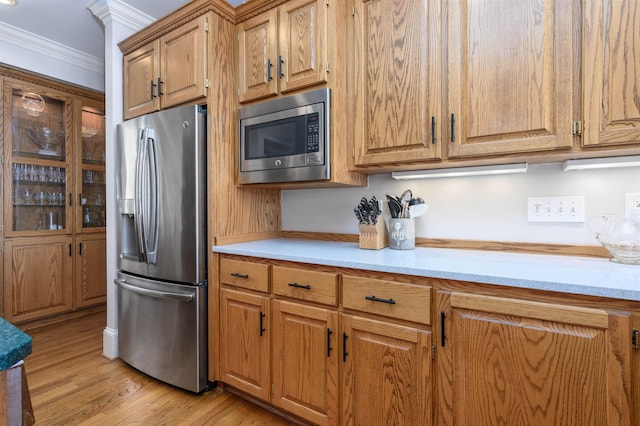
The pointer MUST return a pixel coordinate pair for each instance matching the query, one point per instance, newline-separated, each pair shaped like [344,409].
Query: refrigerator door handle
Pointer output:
[152,199]
[138,201]
[153,293]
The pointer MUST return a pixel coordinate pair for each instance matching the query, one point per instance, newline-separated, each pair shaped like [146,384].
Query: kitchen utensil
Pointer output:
[356,210]
[417,209]
[405,198]
[364,213]
[373,211]
[395,208]
[620,235]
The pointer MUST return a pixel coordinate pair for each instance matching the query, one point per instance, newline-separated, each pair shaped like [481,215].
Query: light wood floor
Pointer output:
[71,383]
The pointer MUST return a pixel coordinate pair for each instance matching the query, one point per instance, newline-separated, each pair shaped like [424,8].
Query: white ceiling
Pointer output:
[71,24]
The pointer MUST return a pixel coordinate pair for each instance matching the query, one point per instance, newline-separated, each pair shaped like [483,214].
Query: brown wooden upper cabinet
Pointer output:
[283,49]
[167,71]
[506,85]
[611,72]
[396,60]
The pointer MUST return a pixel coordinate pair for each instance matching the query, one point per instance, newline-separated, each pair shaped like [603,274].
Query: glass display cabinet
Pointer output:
[39,139]
[91,177]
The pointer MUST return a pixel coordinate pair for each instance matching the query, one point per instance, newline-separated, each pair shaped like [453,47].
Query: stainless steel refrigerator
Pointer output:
[162,281]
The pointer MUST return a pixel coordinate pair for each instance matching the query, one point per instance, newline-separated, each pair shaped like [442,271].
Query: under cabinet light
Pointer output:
[602,163]
[8,2]
[461,171]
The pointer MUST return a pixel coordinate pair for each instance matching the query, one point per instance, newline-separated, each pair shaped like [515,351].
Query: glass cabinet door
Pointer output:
[37,154]
[39,197]
[93,188]
[38,126]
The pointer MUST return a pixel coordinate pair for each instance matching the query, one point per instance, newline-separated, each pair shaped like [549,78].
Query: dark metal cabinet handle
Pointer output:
[160,87]
[443,336]
[344,347]
[151,86]
[280,63]
[433,130]
[376,299]
[329,348]
[70,199]
[296,285]
[70,251]
[262,329]
[453,127]
[80,249]
[269,65]
[237,275]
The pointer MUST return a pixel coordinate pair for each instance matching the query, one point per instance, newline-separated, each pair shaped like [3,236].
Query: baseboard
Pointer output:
[110,343]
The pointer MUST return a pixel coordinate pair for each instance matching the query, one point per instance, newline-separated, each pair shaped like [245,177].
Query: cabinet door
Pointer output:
[302,40]
[509,76]
[386,379]
[396,81]
[257,52]
[38,277]
[90,209]
[141,73]
[244,342]
[305,361]
[38,136]
[611,72]
[505,361]
[91,271]
[183,68]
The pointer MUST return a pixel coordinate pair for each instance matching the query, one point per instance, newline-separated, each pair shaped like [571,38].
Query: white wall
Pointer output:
[489,208]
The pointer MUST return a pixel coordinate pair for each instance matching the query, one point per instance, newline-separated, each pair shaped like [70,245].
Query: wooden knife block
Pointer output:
[374,237]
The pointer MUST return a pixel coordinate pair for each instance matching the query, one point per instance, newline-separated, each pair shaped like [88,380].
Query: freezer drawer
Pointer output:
[162,330]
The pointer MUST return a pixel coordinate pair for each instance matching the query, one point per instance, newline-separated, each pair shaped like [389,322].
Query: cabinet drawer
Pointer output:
[249,275]
[397,300]
[312,286]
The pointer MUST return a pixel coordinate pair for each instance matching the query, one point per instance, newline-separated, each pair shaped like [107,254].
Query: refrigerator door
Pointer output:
[162,330]
[175,230]
[162,226]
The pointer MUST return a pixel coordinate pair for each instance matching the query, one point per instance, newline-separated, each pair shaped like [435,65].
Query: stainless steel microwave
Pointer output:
[285,139]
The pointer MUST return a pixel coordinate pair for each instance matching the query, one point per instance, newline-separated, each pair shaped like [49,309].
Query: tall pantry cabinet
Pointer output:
[54,197]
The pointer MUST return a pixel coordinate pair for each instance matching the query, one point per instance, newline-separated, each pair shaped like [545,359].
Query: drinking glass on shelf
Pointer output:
[26,197]
[40,198]
[88,176]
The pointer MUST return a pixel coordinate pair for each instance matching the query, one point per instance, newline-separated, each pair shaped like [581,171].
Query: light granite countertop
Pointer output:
[566,274]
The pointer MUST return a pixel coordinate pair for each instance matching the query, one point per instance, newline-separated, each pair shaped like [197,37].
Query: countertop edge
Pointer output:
[576,275]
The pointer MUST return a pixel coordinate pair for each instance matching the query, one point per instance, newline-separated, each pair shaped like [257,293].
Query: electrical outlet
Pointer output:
[556,209]
[632,203]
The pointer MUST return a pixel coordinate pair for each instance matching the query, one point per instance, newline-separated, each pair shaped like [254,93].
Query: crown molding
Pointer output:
[42,46]
[120,12]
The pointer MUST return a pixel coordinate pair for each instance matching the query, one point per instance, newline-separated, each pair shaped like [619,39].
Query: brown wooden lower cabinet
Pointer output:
[305,361]
[390,349]
[245,342]
[510,361]
[386,377]
[91,270]
[38,274]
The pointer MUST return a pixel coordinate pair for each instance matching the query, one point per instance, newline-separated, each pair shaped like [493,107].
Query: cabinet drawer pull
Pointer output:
[344,347]
[443,335]
[453,127]
[262,329]
[151,86]
[296,285]
[280,63]
[376,299]
[329,348]
[237,275]
[159,88]
[433,130]
[269,65]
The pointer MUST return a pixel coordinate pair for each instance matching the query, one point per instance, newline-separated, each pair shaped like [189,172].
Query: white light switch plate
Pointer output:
[556,209]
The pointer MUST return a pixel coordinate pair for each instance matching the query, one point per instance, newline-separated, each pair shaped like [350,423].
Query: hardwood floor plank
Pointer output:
[71,383]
